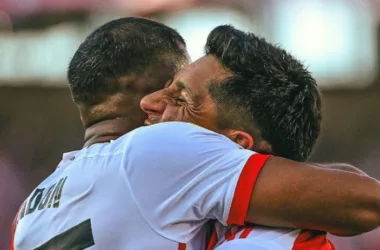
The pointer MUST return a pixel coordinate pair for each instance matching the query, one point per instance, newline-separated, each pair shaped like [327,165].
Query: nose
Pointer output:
[153,103]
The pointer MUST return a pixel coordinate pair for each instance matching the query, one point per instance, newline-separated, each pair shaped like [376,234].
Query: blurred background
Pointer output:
[338,39]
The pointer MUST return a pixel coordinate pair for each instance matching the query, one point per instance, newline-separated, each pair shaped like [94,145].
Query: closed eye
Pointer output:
[179,101]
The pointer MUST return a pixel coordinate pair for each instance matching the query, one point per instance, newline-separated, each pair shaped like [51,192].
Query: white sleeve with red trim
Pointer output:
[259,237]
[13,229]
[181,175]
[247,244]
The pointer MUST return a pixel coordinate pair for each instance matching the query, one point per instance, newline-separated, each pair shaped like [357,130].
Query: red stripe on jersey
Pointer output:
[312,240]
[246,232]
[228,233]
[231,237]
[244,189]
[213,240]
[181,246]
[13,229]
[232,233]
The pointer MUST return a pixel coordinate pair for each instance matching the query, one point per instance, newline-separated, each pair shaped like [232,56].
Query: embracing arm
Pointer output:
[293,194]
[197,174]
[340,166]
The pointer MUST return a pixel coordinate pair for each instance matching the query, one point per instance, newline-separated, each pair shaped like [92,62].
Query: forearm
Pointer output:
[289,194]
[342,167]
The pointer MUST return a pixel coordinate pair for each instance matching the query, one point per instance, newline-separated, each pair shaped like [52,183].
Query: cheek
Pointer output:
[203,116]
[174,113]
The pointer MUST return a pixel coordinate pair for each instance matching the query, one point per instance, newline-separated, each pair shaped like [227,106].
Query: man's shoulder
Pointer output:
[172,131]
[173,127]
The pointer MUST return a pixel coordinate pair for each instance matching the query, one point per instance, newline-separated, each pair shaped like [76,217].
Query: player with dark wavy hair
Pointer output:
[261,97]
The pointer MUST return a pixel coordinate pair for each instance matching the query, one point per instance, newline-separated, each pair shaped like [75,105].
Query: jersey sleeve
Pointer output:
[181,175]
[13,227]
[247,244]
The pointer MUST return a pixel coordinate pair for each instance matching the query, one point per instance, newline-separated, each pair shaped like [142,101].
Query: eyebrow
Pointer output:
[180,85]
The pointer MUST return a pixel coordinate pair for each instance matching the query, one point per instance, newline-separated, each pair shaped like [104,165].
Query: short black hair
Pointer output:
[269,93]
[118,48]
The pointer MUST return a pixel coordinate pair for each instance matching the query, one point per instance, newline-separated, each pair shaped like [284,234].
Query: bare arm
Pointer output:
[293,194]
[341,166]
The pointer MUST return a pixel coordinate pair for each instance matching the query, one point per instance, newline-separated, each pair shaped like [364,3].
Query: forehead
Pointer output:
[203,71]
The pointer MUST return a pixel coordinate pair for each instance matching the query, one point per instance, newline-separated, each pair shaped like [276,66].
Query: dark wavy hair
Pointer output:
[270,93]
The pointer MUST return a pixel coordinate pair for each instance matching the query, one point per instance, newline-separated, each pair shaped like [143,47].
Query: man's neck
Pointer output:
[105,131]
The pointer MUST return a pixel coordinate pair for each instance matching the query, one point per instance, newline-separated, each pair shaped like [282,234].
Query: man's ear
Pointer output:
[242,138]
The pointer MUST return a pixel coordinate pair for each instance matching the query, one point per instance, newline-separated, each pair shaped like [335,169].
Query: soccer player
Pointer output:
[259,96]
[156,187]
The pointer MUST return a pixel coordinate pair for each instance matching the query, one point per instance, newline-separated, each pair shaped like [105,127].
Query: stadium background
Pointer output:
[338,39]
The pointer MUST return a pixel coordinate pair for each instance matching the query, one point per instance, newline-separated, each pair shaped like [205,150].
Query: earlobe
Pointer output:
[242,138]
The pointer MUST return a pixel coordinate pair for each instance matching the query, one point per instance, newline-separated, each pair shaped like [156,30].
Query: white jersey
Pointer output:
[266,238]
[153,188]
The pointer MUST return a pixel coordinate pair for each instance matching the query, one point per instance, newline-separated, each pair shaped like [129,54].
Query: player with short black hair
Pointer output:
[128,57]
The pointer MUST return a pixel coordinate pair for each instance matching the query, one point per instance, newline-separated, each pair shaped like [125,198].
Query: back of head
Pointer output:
[271,94]
[125,57]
